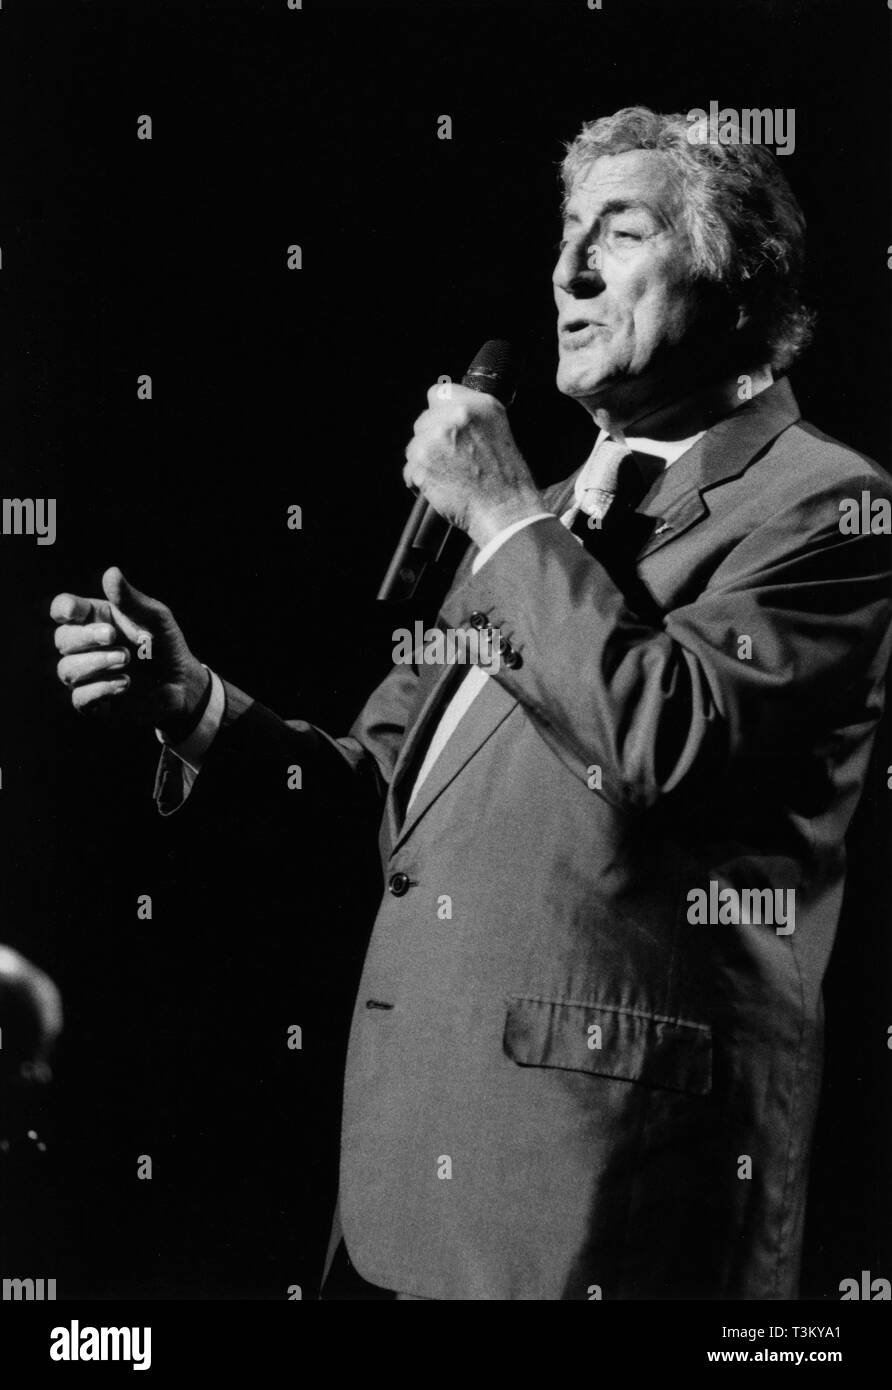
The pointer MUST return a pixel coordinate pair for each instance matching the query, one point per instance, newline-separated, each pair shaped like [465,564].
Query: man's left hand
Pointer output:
[464,460]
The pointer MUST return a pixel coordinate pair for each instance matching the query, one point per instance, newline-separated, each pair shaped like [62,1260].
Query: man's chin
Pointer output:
[583,384]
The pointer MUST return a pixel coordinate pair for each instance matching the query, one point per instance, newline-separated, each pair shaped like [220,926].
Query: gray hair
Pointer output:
[744,227]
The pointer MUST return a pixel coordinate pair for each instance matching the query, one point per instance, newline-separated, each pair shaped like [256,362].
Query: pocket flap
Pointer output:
[608,1041]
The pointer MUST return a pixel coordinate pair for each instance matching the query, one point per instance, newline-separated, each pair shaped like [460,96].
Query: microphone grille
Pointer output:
[495,369]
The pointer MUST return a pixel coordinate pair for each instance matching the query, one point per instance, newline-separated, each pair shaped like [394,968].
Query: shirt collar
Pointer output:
[668,449]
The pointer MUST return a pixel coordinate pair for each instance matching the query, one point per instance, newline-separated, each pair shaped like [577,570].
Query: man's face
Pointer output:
[625,302]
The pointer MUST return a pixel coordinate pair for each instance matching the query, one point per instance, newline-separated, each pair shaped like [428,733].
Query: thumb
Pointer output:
[132,609]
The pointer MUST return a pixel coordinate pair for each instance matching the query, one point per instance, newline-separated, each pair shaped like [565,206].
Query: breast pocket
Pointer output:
[624,1044]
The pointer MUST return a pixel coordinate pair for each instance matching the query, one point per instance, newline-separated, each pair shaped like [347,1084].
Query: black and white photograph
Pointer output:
[445,762]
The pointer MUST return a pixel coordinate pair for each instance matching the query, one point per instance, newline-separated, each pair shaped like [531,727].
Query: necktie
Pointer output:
[599,494]
[620,478]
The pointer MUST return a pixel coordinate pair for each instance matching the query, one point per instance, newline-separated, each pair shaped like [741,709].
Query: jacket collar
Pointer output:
[676,501]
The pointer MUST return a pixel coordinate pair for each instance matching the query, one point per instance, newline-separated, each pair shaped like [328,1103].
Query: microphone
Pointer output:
[495,370]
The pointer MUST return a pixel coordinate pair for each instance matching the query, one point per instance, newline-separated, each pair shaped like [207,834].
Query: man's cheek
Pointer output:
[659,321]
[609,355]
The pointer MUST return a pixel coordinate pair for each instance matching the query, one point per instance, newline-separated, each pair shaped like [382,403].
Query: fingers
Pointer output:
[115,587]
[454,393]
[131,609]
[90,633]
[411,475]
[462,408]
[71,637]
[71,608]
[90,697]
[83,668]
[124,595]
[123,604]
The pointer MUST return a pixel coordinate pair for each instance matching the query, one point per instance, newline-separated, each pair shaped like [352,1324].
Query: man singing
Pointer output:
[586,1049]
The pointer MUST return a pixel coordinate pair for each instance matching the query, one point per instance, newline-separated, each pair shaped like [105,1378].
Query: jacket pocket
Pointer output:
[626,1044]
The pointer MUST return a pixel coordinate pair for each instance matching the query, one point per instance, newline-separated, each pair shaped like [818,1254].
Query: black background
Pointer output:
[271,388]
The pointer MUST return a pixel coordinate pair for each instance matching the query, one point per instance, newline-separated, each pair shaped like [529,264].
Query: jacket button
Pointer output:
[478,620]
[399,884]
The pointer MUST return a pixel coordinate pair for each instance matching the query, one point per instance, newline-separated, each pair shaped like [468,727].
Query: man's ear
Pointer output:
[743,318]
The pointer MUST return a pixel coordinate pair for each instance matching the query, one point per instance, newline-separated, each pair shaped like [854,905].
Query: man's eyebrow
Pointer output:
[617,205]
[629,205]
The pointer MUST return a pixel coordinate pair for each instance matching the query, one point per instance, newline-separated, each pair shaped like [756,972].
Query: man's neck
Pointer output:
[678,416]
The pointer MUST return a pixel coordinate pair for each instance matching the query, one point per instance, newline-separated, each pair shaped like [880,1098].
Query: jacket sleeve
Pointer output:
[654,703]
[255,748]
[256,752]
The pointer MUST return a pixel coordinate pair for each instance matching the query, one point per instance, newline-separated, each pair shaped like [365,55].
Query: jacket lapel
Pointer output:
[435,682]
[676,502]
[490,707]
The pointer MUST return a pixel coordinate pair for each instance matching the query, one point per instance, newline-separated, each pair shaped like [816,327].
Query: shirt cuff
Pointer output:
[194,749]
[502,536]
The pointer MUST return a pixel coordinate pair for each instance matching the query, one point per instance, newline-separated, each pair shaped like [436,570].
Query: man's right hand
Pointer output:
[127,649]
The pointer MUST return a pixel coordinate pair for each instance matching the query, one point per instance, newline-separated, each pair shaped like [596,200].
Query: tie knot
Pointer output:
[600,480]
[615,477]
[611,459]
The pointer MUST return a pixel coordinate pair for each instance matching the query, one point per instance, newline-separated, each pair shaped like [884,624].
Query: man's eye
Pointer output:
[629,236]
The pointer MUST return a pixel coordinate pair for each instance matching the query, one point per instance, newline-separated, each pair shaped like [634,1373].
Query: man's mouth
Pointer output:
[577,332]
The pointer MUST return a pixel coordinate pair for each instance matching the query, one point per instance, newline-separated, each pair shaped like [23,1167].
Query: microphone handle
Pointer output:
[421,544]
[493,370]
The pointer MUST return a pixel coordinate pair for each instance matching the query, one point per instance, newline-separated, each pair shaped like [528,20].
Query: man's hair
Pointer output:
[745,229]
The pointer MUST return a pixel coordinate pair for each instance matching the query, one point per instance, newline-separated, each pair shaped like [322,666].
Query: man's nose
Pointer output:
[578,272]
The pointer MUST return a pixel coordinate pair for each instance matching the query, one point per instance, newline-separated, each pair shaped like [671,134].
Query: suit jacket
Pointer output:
[559,1085]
